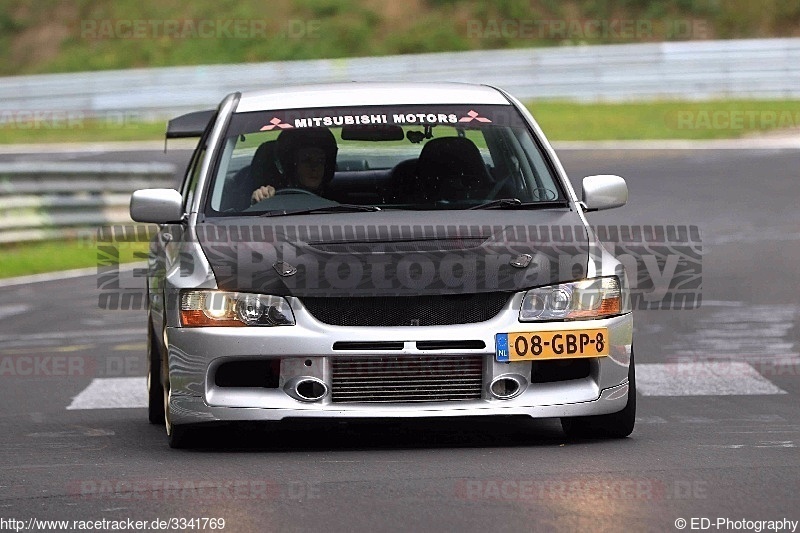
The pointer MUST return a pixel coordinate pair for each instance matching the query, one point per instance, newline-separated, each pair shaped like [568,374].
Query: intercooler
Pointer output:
[407,378]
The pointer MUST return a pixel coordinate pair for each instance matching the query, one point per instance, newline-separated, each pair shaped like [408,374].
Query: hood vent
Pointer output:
[411,246]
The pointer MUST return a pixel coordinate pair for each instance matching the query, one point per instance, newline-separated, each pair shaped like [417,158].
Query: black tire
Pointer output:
[182,436]
[611,426]
[155,389]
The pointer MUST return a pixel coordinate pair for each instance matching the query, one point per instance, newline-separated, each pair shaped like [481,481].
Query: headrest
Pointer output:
[450,156]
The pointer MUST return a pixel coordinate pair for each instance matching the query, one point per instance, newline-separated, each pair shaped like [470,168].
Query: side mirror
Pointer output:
[156,205]
[604,191]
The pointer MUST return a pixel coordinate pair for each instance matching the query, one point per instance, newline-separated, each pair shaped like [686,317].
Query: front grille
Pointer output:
[407,379]
[433,310]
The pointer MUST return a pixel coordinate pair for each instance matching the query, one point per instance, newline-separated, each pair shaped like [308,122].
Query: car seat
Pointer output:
[262,170]
[451,169]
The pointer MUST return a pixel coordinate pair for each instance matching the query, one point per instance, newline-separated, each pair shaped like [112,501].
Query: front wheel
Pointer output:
[611,426]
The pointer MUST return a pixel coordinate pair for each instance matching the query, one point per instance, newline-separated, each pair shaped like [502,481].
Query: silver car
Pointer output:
[369,250]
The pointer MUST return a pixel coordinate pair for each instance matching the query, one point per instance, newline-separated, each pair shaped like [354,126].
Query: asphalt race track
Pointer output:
[718,435]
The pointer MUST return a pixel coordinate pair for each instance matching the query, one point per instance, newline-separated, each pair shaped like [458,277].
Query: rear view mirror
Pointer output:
[604,191]
[372,132]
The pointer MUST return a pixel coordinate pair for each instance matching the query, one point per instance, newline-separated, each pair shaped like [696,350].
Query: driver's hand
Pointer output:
[267,191]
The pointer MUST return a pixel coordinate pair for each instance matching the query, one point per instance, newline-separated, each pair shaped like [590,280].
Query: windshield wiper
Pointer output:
[516,203]
[341,208]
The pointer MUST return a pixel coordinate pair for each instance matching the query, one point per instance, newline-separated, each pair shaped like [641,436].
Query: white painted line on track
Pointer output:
[702,379]
[95,334]
[11,310]
[64,274]
[112,393]
[766,235]
[753,333]
[723,303]
[49,276]
[747,143]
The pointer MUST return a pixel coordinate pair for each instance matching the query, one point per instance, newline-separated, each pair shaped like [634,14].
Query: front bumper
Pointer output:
[306,349]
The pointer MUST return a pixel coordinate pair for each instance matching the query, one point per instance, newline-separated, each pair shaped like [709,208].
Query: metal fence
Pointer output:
[764,68]
[57,200]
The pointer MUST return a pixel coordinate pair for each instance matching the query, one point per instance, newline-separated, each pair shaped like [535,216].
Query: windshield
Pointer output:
[387,157]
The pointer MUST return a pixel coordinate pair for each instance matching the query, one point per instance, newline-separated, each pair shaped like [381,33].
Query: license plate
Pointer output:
[543,345]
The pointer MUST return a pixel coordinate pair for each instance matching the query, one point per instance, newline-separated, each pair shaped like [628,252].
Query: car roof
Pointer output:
[369,93]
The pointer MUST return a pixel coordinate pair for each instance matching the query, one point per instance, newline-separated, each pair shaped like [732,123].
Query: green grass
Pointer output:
[561,121]
[59,131]
[720,119]
[51,256]
[79,35]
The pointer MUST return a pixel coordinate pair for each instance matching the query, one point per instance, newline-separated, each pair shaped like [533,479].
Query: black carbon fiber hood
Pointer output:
[400,253]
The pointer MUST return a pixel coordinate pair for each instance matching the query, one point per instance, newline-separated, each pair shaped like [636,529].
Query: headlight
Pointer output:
[588,298]
[220,308]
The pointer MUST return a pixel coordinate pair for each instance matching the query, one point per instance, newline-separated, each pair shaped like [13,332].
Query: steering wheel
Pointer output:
[293,191]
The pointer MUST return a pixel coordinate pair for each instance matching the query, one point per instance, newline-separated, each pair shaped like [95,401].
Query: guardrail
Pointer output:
[764,68]
[57,200]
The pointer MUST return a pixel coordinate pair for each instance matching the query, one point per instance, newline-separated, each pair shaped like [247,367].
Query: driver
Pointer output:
[307,158]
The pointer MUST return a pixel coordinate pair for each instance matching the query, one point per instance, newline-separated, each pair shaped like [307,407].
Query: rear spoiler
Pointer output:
[190,124]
